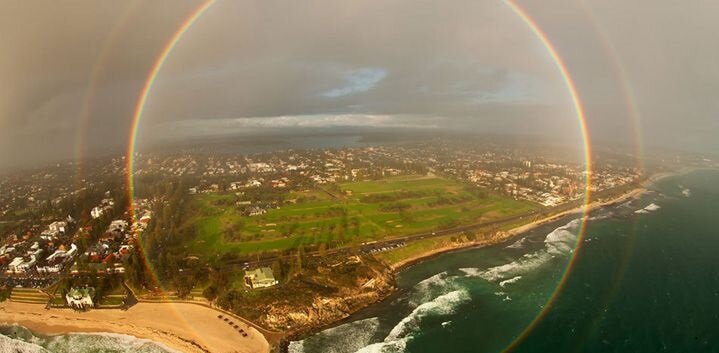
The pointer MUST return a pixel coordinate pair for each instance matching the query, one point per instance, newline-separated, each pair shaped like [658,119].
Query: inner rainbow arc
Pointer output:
[581,117]
[516,9]
[147,88]
[139,108]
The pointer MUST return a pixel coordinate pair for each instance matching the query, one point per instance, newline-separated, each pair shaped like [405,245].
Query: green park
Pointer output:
[346,213]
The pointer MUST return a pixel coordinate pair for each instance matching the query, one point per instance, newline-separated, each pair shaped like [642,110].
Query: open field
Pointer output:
[360,211]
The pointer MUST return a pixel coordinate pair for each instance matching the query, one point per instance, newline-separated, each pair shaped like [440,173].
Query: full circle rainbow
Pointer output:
[140,107]
[579,111]
[515,8]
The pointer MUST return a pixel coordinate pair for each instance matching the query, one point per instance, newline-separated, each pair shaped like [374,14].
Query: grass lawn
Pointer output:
[365,211]
[111,301]
[415,248]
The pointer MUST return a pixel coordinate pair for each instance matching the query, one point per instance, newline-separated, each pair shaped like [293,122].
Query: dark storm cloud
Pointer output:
[424,58]
[49,51]
[246,66]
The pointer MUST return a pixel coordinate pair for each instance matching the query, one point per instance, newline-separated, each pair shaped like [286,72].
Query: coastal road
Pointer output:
[393,242]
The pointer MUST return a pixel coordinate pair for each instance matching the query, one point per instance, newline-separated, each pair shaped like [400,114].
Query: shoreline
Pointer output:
[201,331]
[493,240]
[505,236]
[180,327]
[41,330]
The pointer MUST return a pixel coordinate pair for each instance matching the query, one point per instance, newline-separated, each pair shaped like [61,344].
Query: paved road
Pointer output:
[392,242]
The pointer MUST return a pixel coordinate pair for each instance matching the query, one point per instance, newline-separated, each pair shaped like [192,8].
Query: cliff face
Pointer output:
[339,292]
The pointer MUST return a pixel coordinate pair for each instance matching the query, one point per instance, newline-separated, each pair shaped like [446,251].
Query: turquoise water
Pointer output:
[643,281]
[646,279]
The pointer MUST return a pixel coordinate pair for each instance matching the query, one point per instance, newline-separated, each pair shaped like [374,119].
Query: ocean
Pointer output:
[17,339]
[645,278]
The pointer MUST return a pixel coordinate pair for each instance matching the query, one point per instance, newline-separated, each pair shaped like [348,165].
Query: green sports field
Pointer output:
[360,211]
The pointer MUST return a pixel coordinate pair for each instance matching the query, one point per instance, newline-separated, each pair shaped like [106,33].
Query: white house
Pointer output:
[49,269]
[80,298]
[96,212]
[58,226]
[19,265]
[260,278]
[13,266]
[118,225]
[49,235]
[256,211]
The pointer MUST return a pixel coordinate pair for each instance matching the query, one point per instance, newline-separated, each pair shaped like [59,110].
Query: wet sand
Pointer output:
[180,326]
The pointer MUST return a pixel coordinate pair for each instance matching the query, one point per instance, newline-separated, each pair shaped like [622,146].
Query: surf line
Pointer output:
[516,9]
[582,120]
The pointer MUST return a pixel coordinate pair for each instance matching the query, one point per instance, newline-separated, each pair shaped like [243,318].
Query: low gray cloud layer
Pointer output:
[72,71]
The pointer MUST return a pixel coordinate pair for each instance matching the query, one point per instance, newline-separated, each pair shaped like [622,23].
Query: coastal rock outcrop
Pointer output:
[338,296]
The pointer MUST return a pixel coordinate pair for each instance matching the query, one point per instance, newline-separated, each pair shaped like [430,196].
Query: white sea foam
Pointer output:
[519,244]
[346,338]
[397,339]
[296,347]
[84,342]
[430,287]
[600,216]
[108,341]
[443,305]
[559,242]
[627,204]
[509,281]
[471,271]
[10,345]
[650,208]
[397,346]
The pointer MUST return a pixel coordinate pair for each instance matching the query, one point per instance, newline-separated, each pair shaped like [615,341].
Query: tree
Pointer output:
[210,292]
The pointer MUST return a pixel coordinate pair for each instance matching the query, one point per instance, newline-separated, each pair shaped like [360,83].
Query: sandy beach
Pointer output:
[189,327]
[180,326]
[503,236]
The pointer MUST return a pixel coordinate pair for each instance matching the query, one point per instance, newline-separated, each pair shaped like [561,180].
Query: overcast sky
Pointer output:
[72,70]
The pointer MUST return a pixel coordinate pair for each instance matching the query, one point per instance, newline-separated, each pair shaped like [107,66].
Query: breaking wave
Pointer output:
[385,347]
[443,305]
[509,281]
[18,339]
[559,242]
[397,339]
[600,216]
[431,287]
[650,208]
[519,244]
[9,345]
[347,338]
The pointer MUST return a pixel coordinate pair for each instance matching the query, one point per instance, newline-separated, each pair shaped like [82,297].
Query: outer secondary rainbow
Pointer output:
[579,111]
[149,82]
[139,107]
